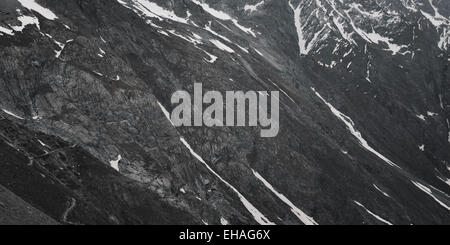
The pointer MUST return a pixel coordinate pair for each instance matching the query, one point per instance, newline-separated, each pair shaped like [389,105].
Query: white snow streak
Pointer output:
[446,180]
[12,114]
[257,215]
[351,127]
[374,215]
[98,73]
[6,31]
[368,73]
[221,46]
[302,42]
[166,113]
[304,218]
[441,102]
[43,144]
[430,193]
[194,40]
[448,126]
[382,192]
[209,29]
[284,92]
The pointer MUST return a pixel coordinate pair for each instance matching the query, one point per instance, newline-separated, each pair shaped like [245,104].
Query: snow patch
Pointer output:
[102,53]
[439,22]
[59,44]
[32,5]
[372,14]
[115,163]
[252,8]
[212,58]
[145,8]
[422,147]
[223,221]
[25,21]
[374,37]
[421,117]
[224,16]
[410,5]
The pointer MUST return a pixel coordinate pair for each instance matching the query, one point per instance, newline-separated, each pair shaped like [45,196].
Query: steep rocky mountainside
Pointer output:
[364,121]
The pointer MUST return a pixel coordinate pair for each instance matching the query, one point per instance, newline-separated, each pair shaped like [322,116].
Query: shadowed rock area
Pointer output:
[364,112]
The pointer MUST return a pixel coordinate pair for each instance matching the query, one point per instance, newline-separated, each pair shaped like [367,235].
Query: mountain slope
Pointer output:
[364,132]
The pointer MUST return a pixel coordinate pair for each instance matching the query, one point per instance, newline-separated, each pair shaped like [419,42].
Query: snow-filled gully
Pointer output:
[427,189]
[351,127]
[373,214]
[257,215]
[302,216]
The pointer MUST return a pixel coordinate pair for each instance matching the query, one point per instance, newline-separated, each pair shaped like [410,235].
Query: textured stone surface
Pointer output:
[102,92]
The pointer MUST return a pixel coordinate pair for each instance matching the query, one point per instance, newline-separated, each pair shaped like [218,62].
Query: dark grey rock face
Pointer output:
[364,128]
